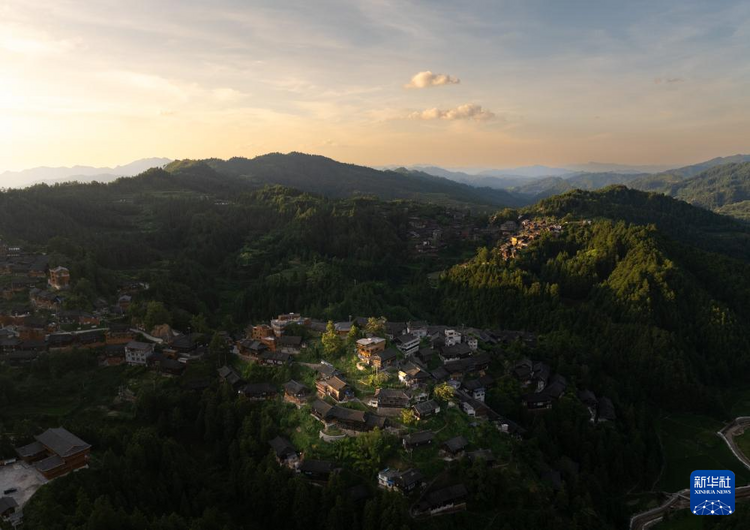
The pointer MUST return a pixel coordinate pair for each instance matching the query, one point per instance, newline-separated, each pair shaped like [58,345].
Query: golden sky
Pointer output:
[492,84]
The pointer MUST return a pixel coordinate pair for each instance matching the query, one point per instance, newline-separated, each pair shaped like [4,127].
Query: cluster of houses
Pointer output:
[428,236]
[519,236]
[546,388]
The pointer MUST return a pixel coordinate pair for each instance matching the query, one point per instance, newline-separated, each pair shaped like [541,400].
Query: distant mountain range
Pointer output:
[51,175]
[721,184]
[318,174]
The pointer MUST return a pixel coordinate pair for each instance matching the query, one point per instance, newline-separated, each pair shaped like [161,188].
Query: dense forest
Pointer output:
[638,291]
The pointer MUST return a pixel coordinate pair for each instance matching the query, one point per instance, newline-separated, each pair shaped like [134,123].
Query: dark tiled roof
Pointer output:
[456,444]
[317,467]
[409,478]
[295,388]
[7,503]
[420,437]
[49,463]
[426,407]
[321,408]
[446,495]
[62,442]
[282,447]
[28,451]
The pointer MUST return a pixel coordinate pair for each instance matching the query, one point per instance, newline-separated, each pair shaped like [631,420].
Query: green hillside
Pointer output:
[322,175]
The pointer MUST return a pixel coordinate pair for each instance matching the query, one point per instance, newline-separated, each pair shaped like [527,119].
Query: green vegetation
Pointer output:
[724,188]
[322,175]
[690,442]
[641,298]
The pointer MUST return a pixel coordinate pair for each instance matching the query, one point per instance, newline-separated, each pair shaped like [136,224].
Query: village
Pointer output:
[518,234]
[425,384]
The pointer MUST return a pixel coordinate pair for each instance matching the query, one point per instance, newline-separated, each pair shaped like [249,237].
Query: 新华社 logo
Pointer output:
[712,492]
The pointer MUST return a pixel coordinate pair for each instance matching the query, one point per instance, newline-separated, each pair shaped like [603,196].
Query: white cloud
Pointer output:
[469,111]
[427,79]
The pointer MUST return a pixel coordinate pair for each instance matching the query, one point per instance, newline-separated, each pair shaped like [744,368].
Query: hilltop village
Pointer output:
[425,384]
[444,393]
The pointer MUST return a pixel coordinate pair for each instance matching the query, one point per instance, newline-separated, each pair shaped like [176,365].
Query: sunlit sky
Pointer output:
[496,83]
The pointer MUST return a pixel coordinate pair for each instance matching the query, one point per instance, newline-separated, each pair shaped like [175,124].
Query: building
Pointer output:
[418,329]
[295,392]
[351,419]
[227,374]
[409,480]
[412,375]
[317,470]
[475,388]
[124,302]
[59,278]
[368,347]
[258,391]
[384,359]
[41,299]
[404,481]
[455,352]
[387,478]
[275,358]
[335,387]
[426,409]
[291,344]
[343,328]
[8,506]
[286,454]
[279,324]
[391,398]
[455,446]
[452,337]
[119,334]
[482,455]
[138,353]
[450,499]
[394,329]
[408,343]
[417,439]
[56,452]
[261,331]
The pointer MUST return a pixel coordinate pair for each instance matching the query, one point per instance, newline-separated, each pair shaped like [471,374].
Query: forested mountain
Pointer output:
[543,188]
[696,169]
[322,175]
[717,188]
[637,291]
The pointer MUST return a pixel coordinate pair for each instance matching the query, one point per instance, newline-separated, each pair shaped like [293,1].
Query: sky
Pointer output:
[483,83]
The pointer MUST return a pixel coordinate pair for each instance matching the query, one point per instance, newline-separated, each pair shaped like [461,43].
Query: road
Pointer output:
[681,499]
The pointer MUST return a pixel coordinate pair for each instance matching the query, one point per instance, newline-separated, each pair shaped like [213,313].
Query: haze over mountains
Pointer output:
[50,175]
[720,184]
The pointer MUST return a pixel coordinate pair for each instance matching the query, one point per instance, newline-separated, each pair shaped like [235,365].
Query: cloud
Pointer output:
[468,111]
[428,79]
[668,80]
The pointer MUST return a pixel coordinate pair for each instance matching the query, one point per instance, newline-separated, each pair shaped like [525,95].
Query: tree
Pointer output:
[353,336]
[408,417]
[218,349]
[156,314]
[332,343]
[376,326]
[199,323]
[444,392]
